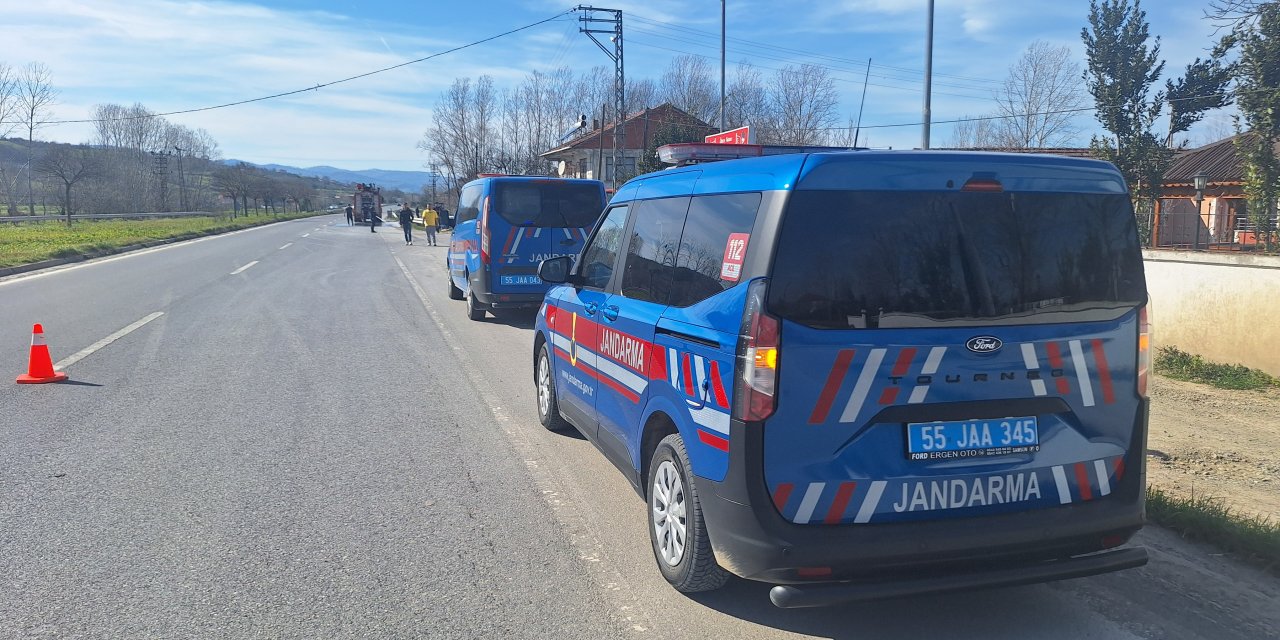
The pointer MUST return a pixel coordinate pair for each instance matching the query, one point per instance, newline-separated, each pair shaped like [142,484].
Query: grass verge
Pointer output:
[27,242]
[1180,365]
[1209,519]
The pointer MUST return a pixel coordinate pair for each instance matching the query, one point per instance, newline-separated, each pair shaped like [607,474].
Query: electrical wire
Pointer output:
[318,86]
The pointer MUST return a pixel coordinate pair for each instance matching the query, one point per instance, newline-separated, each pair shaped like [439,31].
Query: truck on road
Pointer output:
[367,203]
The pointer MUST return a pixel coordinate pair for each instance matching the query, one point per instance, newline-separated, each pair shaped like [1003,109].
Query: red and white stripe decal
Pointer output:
[1055,361]
[836,513]
[931,365]
[1082,373]
[1032,363]
[829,390]
[862,386]
[1104,372]
[781,494]
[1085,474]
[717,386]
[809,502]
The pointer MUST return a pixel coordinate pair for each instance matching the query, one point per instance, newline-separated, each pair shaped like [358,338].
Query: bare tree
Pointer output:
[746,100]
[1037,97]
[35,101]
[8,123]
[803,105]
[687,84]
[641,94]
[976,133]
[69,164]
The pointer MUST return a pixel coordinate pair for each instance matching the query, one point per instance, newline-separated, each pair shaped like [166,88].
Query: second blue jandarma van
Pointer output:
[505,226]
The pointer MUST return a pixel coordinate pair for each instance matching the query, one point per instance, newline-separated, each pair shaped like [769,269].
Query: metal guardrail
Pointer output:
[107,216]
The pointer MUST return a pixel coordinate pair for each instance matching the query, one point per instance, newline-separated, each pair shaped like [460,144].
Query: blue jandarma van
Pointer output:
[867,374]
[505,226]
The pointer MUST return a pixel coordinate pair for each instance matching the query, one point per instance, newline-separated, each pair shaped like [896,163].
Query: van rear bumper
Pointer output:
[827,594]
[752,540]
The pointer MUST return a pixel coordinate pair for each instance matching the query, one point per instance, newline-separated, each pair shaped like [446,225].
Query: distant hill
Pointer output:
[410,181]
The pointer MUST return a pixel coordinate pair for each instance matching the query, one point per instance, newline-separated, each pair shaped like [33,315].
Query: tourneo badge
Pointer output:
[984,344]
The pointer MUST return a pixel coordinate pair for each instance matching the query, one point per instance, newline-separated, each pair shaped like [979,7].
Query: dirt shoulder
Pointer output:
[1216,442]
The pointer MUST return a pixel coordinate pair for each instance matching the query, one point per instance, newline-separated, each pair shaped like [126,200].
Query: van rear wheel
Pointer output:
[548,404]
[676,528]
[474,310]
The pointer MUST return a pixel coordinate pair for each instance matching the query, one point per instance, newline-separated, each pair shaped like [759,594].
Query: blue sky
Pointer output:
[172,55]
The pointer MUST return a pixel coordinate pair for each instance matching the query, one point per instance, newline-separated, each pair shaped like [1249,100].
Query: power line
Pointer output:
[318,86]
[758,44]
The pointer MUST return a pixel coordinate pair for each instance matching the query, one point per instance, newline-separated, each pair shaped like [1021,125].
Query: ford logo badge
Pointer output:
[984,344]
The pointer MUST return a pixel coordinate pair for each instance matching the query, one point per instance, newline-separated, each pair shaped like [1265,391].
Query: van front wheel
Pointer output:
[676,527]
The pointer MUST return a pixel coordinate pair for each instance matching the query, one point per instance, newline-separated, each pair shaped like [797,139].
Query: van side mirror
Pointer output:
[556,270]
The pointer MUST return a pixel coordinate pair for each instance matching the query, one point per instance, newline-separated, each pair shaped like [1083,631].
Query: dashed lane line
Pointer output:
[241,269]
[287,245]
[305,234]
[81,354]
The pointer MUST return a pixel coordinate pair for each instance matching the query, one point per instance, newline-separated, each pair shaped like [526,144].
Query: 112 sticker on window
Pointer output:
[734,252]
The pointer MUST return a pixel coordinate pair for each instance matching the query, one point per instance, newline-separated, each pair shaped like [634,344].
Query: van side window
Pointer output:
[599,257]
[651,249]
[713,222]
[469,203]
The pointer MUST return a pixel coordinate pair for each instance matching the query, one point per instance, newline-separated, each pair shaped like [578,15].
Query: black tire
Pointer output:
[696,569]
[454,292]
[474,310]
[548,415]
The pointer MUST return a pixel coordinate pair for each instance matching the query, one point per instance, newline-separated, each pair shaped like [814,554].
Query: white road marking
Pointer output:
[305,235]
[287,245]
[241,269]
[81,354]
[132,254]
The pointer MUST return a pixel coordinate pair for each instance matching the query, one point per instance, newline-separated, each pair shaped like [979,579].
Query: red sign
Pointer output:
[741,135]
[734,252]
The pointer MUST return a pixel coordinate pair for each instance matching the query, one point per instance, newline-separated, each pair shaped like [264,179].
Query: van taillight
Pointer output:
[757,362]
[484,232]
[1144,350]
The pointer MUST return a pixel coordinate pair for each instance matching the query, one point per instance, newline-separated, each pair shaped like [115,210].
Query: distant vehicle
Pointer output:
[367,203]
[505,226]
[333,207]
[863,373]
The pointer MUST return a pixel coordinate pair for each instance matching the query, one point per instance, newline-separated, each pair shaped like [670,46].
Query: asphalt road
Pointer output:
[321,445]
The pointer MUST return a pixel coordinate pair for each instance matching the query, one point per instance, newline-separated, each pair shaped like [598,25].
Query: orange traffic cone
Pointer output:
[41,368]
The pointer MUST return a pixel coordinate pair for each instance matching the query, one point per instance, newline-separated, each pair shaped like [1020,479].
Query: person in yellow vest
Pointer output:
[429,221]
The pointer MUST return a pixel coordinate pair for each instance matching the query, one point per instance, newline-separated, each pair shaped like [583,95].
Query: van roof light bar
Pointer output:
[686,153]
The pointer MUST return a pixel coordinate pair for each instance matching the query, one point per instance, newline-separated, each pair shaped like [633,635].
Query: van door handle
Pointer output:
[610,313]
[591,308]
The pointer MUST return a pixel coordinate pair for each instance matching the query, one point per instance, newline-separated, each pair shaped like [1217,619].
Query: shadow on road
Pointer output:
[1016,612]
[79,383]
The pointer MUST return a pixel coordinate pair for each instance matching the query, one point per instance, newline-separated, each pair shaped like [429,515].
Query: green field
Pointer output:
[27,242]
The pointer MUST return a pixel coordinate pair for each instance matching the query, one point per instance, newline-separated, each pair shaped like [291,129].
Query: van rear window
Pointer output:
[869,259]
[548,203]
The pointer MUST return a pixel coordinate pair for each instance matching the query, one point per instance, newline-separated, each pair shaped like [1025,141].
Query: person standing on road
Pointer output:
[429,222]
[351,216]
[372,219]
[406,222]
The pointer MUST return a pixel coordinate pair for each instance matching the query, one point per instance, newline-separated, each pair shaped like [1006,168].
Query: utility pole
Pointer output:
[722,29]
[928,76]
[182,181]
[590,19]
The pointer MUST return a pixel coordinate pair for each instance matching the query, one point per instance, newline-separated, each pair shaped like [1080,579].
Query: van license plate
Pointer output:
[520,280]
[972,438]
